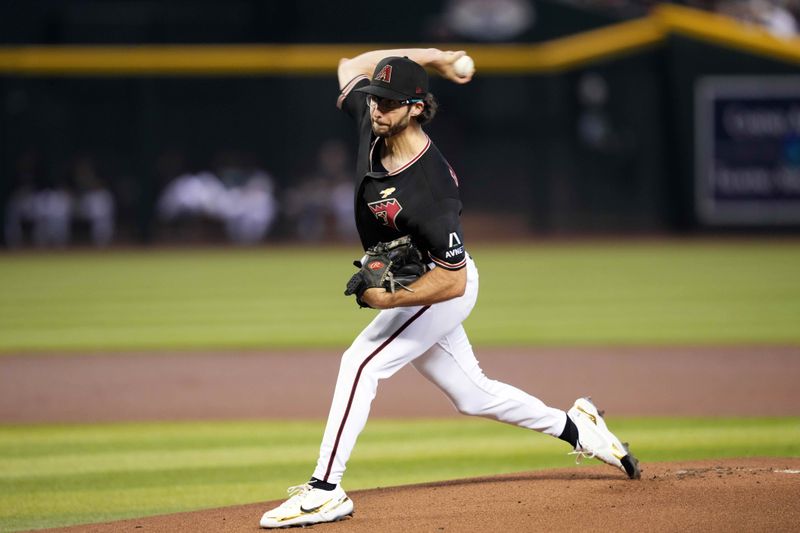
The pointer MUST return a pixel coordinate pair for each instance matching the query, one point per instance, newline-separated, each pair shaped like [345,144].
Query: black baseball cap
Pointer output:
[397,78]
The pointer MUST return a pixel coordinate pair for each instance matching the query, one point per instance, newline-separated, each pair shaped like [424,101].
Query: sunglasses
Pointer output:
[388,103]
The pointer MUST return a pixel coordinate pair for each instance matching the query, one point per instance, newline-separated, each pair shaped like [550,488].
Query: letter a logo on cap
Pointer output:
[385,74]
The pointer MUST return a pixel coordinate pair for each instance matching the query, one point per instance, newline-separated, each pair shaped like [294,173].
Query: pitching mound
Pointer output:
[718,495]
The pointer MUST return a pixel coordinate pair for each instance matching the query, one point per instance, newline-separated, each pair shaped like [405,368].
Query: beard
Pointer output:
[382,130]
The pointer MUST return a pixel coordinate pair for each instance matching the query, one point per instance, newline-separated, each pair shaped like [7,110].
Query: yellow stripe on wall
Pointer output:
[727,32]
[568,52]
[559,54]
[314,59]
[165,59]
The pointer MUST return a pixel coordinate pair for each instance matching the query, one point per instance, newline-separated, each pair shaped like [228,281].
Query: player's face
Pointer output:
[389,117]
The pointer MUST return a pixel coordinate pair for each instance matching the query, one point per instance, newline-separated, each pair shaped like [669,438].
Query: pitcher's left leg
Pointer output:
[451,365]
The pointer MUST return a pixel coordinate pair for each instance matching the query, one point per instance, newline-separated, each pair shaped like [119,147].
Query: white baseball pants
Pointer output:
[434,341]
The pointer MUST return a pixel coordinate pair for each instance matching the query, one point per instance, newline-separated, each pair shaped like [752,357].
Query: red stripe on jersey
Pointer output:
[347,88]
[452,174]
[448,266]
[372,149]
[425,149]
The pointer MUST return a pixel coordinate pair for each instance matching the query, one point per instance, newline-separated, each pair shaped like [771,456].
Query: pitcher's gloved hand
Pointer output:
[387,265]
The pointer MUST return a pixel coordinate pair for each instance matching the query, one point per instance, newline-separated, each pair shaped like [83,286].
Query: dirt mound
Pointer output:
[718,495]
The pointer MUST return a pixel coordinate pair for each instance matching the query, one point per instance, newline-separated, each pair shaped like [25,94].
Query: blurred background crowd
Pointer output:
[652,141]
[230,197]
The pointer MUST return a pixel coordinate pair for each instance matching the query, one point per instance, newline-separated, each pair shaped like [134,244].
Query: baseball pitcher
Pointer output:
[417,272]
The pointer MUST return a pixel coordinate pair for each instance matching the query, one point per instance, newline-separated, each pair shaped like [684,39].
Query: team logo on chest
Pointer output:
[386,211]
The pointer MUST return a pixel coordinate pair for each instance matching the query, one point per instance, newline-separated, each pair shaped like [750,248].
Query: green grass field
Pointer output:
[647,293]
[58,475]
[539,294]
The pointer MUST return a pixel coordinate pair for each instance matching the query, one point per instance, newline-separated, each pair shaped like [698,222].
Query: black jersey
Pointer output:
[419,199]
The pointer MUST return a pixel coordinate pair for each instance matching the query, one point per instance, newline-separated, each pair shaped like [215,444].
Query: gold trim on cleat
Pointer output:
[590,415]
[342,502]
[290,517]
[619,454]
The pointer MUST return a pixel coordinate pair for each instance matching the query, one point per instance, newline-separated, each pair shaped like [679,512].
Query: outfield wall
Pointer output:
[584,122]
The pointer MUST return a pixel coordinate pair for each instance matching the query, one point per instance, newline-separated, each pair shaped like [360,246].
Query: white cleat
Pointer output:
[308,505]
[596,441]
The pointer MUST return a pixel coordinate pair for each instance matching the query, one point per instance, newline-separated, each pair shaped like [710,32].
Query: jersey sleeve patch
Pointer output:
[453,257]
[437,229]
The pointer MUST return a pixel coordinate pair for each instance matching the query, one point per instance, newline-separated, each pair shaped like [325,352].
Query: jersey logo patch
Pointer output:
[386,192]
[454,240]
[386,211]
[385,74]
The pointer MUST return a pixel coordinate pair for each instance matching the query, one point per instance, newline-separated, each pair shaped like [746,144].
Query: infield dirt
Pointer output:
[724,495]
[629,381]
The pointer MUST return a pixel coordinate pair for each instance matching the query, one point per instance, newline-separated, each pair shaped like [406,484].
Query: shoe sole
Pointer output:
[312,524]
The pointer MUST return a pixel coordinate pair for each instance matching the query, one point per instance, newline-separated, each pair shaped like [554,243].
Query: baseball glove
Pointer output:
[387,265]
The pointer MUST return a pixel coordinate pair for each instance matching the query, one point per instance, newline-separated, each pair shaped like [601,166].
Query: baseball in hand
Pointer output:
[464,66]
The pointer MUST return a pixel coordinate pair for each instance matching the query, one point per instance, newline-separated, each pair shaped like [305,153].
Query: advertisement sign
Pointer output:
[747,150]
